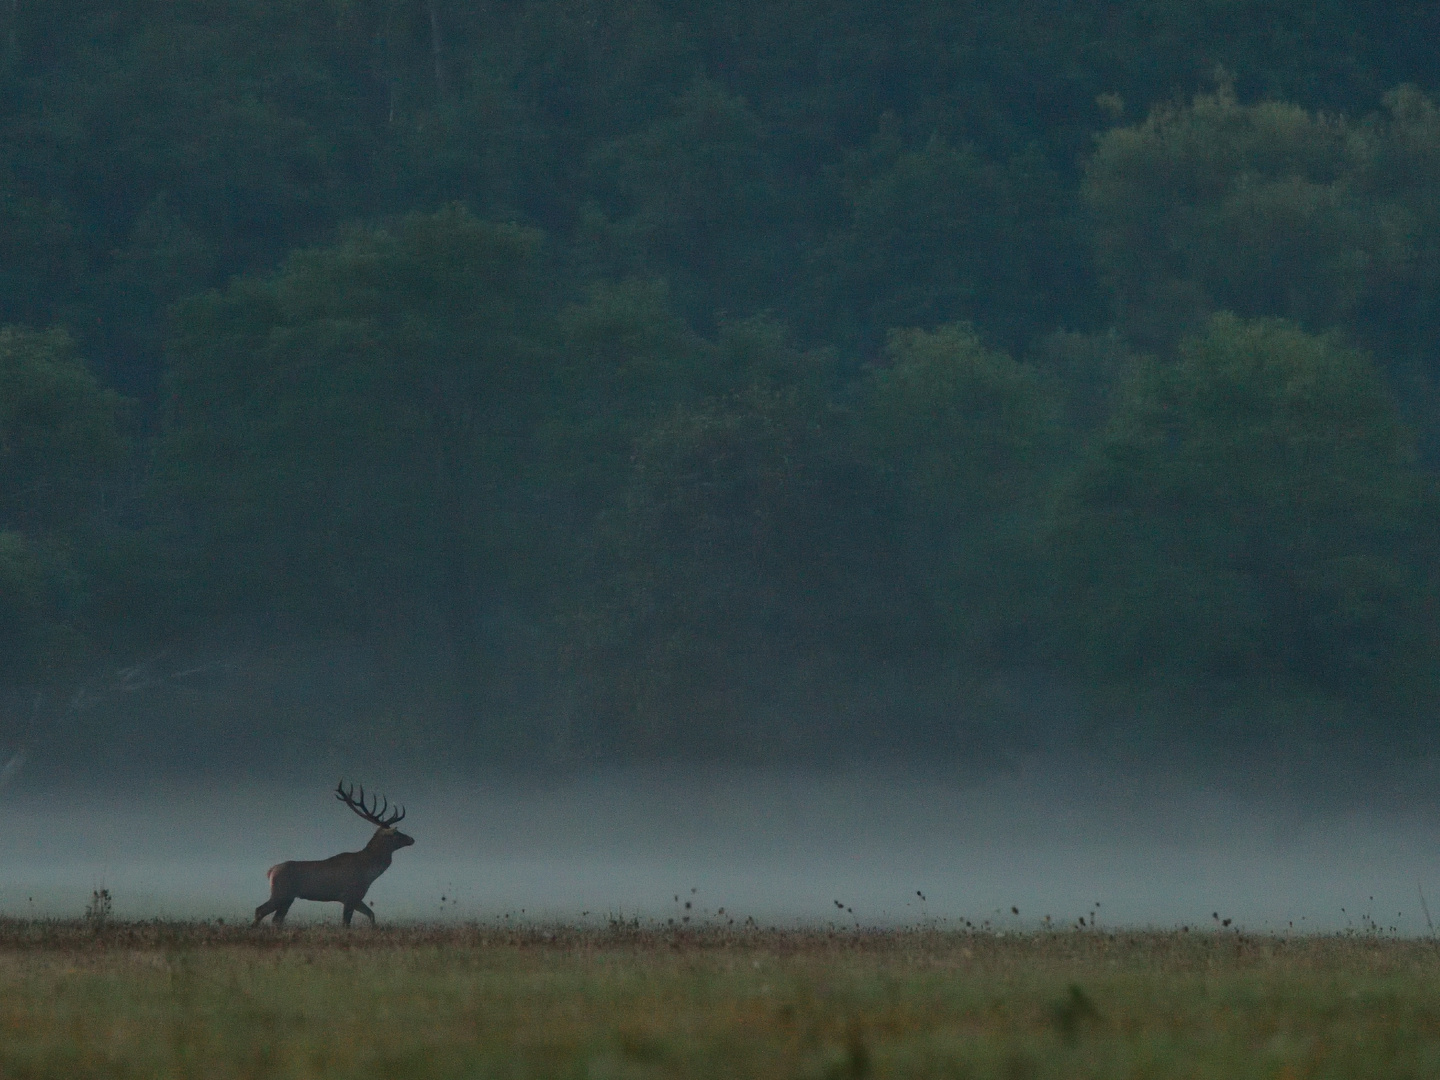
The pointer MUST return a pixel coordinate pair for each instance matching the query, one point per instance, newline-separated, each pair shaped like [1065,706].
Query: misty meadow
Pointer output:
[877,466]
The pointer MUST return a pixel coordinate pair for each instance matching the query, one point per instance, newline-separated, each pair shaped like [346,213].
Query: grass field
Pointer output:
[197,1000]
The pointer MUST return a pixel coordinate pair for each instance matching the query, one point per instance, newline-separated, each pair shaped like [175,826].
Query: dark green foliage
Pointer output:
[1253,511]
[681,362]
[61,433]
[39,597]
[357,420]
[694,199]
[62,449]
[942,233]
[627,358]
[964,439]
[1269,210]
[151,149]
[742,553]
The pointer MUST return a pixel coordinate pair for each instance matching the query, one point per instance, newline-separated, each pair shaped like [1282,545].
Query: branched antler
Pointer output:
[370,813]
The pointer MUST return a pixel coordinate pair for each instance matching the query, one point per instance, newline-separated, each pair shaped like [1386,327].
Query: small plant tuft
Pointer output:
[100,907]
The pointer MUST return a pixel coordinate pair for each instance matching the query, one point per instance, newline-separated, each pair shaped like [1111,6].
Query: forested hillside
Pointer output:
[621,377]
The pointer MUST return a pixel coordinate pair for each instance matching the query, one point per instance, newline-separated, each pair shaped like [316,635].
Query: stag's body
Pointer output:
[344,878]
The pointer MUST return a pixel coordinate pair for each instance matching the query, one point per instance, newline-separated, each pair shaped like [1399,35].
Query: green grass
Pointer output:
[172,1000]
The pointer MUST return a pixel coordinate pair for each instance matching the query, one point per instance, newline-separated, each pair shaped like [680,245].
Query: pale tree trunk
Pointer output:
[437,50]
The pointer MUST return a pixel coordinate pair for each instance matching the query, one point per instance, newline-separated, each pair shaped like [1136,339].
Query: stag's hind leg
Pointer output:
[279,907]
[279,903]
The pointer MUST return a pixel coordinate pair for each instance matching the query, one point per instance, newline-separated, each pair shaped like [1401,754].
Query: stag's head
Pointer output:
[387,836]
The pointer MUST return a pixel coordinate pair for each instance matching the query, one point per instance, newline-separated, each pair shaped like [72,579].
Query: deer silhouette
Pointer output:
[346,877]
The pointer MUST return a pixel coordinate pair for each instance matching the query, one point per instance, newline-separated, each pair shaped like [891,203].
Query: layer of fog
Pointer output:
[1318,850]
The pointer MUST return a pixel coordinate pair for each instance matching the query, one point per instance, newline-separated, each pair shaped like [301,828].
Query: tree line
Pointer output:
[710,374]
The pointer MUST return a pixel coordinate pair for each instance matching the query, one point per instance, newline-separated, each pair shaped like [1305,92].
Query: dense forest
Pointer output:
[653,377]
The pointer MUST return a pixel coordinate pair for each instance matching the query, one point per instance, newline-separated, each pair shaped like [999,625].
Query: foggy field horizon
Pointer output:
[840,468]
[1302,846]
[878,464]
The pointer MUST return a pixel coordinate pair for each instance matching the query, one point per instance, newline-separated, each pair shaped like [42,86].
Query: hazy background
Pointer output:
[796,452]
[1064,836]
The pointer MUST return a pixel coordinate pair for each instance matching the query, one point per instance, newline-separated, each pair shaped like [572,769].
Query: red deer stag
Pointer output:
[346,877]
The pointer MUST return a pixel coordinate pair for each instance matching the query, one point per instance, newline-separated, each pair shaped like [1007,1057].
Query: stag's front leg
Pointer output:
[349,911]
[364,909]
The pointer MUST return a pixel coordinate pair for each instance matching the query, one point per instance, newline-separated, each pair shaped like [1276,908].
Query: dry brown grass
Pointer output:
[172,999]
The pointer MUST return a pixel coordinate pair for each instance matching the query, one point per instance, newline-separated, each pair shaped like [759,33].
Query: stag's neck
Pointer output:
[378,848]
